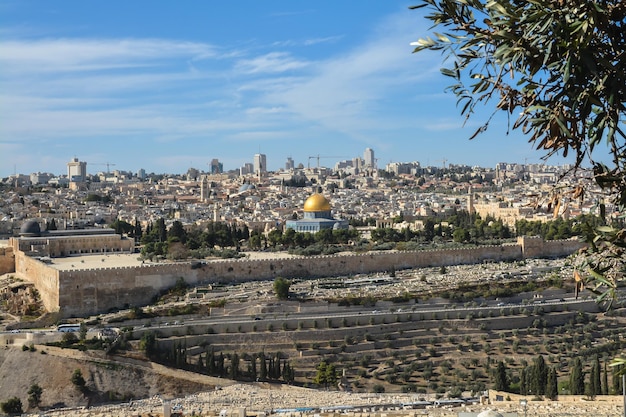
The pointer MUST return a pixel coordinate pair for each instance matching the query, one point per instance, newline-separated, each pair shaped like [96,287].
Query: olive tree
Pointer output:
[281,288]
[557,69]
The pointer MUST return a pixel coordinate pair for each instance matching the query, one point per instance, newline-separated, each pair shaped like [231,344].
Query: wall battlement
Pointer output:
[90,291]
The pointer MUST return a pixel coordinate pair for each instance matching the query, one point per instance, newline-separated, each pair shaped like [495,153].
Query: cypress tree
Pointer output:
[617,379]
[595,386]
[253,370]
[277,370]
[577,378]
[220,365]
[552,390]
[210,362]
[234,366]
[605,381]
[539,376]
[523,382]
[263,370]
[500,379]
[288,373]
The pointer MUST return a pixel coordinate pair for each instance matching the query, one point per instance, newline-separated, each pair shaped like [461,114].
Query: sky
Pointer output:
[166,86]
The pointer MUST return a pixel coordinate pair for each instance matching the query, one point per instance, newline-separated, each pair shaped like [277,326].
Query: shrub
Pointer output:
[12,406]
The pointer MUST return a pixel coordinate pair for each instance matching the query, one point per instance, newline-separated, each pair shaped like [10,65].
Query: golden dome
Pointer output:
[316,202]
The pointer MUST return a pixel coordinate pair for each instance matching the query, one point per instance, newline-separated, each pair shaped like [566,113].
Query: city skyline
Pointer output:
[166,88]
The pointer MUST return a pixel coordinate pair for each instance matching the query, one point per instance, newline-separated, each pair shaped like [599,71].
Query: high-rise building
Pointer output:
[76,170]
[246,169]
[260,163]
[289,165]
[216,166]
[369,162]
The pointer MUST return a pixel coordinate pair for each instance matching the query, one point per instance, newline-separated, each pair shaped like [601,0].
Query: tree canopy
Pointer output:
[557,69]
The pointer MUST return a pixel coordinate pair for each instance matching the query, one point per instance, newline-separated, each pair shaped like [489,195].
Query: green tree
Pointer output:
[122,227]
[263,367]
[288,373]
[82,332]
[460,235]
[595,385]
[148,344]
[275,237]
[552,390]
[160,230]
[234,366]
[52,225]
[78,380]
[577,378]
[557,69]
[281,288]
[34,395]
[69,338]
[12,406]
[539,376]
[523,382]
[326,374]
[177,232]
[501,382]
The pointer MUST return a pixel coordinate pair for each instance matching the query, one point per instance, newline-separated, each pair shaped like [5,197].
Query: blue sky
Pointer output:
[165,86]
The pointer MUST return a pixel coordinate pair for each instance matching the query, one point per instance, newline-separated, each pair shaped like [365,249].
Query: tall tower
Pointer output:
[369,162]
[202,187]
[289,165]
[470,201]
[76,170]
[216,166]
[260,164]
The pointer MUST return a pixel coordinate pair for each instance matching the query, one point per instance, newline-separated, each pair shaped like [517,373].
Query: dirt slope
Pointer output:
[107,380]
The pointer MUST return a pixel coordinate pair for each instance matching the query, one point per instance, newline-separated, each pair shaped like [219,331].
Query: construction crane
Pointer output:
[318,157]
[443,161]
[108,164]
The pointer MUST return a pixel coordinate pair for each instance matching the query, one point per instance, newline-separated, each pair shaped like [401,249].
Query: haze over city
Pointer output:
[166,87]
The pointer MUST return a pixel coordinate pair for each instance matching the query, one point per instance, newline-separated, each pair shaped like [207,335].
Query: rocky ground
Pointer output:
[107,379]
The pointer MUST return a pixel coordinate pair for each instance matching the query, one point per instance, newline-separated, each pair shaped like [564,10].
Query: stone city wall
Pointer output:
[83,292]
[91,291]
[45,278]
[536,247]
[7,260]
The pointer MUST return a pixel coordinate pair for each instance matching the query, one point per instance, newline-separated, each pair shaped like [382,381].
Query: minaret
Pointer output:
[202,186]
[470,201]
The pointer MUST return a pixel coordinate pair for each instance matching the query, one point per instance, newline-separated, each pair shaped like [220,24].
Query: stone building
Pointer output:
[317,216]
[60,243]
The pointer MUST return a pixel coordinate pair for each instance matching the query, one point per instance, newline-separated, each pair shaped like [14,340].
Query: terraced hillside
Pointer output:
[409,349]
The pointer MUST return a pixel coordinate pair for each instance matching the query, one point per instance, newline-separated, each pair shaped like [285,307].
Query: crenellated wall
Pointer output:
[83,292]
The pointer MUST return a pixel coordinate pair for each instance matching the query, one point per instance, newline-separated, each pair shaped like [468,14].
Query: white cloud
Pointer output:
[273,62]
[63,55]
[168,91]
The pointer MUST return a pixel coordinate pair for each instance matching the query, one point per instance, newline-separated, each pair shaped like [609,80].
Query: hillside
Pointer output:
[107,380]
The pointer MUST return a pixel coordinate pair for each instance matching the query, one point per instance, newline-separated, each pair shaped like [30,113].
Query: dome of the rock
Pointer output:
[316,202]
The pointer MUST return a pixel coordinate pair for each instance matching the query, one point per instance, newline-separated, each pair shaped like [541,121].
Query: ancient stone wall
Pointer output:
[100,290]
[45,278]
[82,292]
[536,247]
[7,260]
